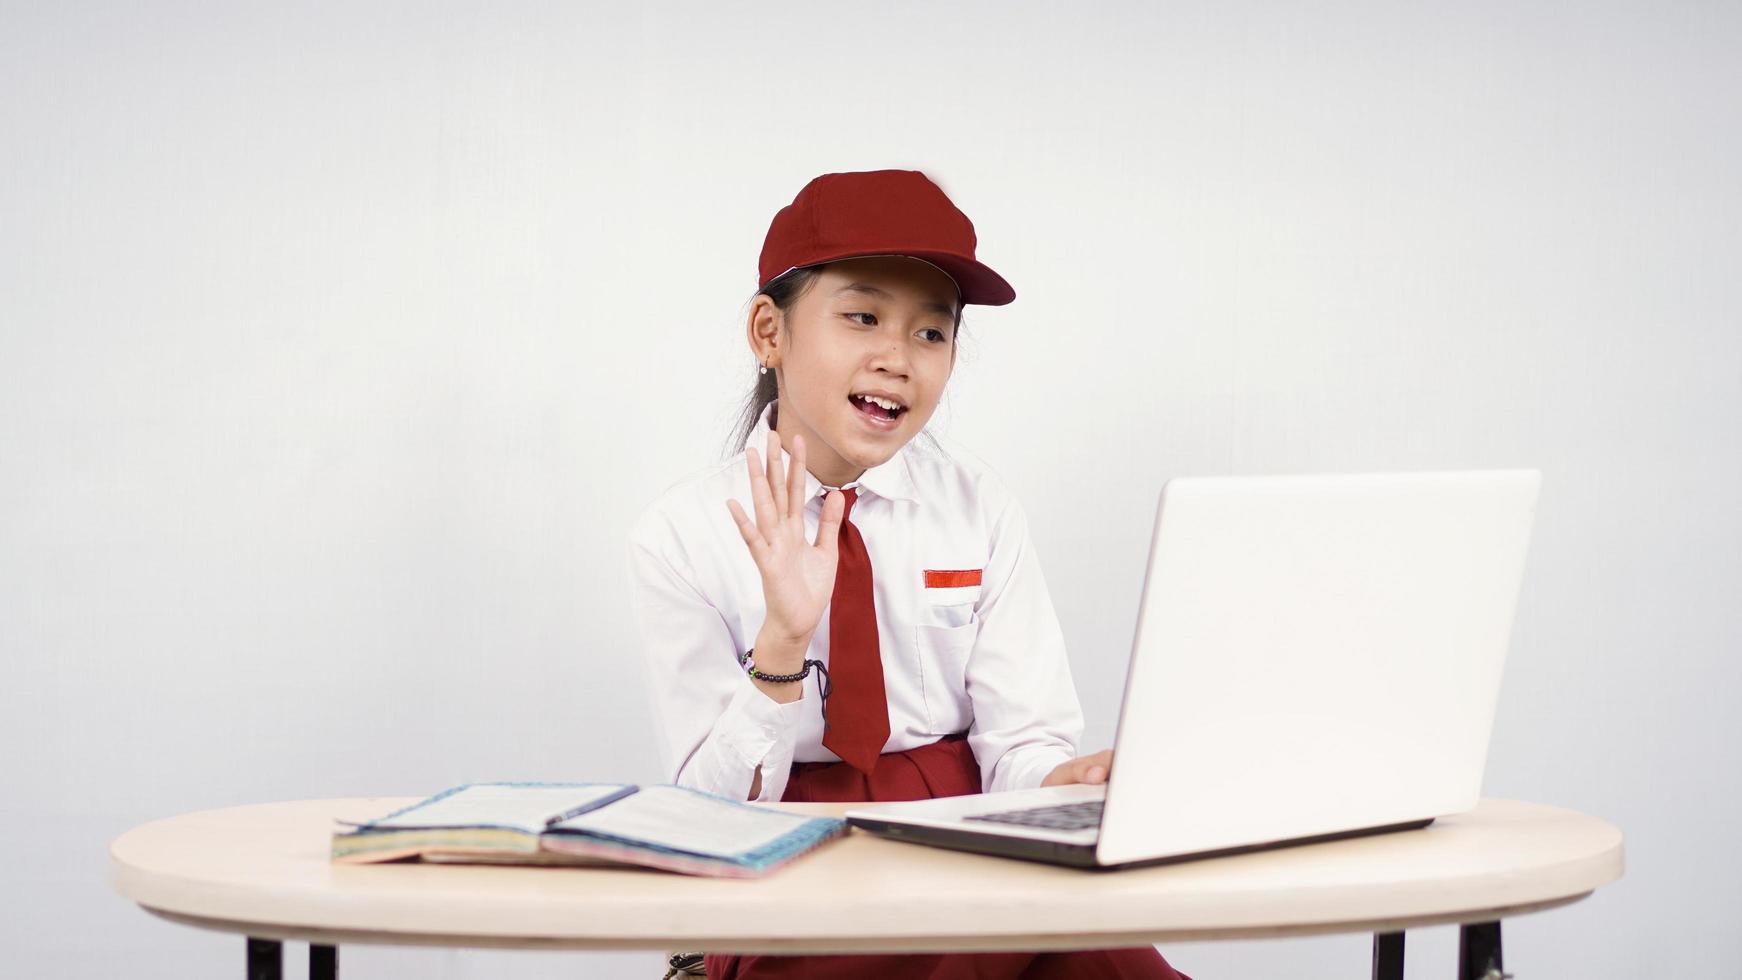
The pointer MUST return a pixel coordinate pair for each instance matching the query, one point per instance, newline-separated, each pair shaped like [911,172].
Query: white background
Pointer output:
[339,344]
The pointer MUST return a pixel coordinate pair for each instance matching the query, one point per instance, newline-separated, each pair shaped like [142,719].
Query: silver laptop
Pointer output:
[1316,656]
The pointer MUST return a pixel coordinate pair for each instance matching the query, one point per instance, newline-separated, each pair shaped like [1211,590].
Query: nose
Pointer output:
[890,356]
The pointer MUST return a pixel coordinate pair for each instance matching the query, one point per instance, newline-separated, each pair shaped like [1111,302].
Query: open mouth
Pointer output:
[881,410]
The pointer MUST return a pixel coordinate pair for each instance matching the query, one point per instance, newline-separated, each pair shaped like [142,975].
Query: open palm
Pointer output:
[798,576]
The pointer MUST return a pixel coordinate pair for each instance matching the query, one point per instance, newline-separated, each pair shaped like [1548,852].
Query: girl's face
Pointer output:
[881,326]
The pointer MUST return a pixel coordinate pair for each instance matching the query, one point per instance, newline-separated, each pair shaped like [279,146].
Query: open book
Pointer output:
[669,827]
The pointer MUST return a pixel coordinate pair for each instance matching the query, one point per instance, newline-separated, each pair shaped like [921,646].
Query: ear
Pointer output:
[763,330]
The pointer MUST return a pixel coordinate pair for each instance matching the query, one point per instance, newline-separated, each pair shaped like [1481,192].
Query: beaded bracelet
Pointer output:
[747,660]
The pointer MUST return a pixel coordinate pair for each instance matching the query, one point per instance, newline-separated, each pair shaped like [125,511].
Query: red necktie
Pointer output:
[858,710]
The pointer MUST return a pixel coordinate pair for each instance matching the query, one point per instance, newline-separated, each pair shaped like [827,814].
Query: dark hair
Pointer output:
[765,388]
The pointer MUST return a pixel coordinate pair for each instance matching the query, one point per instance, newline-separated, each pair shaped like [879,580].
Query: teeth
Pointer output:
[882,402]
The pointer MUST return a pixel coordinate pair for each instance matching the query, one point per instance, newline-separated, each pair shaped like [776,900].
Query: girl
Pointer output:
[851,547]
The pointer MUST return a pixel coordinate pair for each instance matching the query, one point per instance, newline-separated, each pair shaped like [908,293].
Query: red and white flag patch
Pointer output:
[936,578]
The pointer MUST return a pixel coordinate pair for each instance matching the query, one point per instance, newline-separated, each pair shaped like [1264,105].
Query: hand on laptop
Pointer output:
[1083,769]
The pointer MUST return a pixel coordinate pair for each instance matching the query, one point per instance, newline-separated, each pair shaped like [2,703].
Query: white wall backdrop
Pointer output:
[339,343]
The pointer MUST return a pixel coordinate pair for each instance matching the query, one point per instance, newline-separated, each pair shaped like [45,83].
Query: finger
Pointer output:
[776,475]
[795,498]
[829,524]
[747,530]
[1096,762]
[766,518]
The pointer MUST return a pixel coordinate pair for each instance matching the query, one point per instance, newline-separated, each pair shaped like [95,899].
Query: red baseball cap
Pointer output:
[879,212]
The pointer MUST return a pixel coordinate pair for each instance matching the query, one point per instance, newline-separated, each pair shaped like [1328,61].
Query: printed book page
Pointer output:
[522,807]
[678,818]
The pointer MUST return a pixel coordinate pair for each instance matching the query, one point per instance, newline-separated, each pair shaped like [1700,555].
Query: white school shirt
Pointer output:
[987,659]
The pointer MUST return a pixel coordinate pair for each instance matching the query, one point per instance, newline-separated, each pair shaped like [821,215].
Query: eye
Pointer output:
[873,317]
[941,336]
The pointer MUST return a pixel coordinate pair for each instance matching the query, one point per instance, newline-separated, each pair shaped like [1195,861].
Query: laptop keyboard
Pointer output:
[1065,816]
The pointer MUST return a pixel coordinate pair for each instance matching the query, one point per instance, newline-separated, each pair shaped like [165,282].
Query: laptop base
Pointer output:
[1083,855]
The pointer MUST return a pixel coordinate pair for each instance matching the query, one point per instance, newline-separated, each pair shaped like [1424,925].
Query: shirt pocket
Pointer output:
[949,597]
[943,664]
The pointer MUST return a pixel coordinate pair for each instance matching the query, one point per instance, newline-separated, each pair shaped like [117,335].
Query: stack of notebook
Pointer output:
[669,827]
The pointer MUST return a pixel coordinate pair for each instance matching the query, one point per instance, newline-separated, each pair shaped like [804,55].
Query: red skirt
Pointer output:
[944,768]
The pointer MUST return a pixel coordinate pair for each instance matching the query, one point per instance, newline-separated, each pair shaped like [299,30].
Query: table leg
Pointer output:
[323,962]
[1388,956]
[1479,952]
[265,959]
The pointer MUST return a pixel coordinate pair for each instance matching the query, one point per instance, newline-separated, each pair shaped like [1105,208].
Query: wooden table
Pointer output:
[262,871]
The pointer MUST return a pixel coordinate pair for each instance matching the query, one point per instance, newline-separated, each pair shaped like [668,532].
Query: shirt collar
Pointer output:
[890,478]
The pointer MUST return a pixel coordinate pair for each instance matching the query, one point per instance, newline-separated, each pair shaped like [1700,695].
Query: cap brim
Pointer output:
[978,284]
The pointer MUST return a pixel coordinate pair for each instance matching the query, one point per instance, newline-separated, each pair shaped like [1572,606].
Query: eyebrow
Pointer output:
[870,290]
